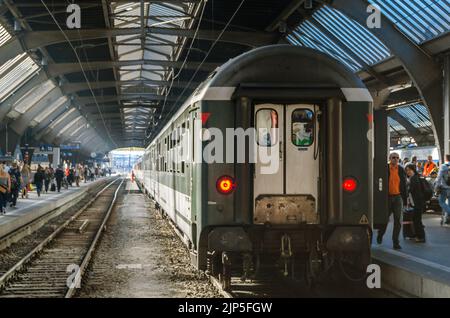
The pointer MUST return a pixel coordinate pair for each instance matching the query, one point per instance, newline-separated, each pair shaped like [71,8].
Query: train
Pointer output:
[295,192]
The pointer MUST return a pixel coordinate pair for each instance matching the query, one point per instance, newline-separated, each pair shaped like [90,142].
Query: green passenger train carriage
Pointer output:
[312,114]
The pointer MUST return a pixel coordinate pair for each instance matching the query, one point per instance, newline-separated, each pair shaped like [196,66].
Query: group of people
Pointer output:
[408,190]
[427,169]
[16,180]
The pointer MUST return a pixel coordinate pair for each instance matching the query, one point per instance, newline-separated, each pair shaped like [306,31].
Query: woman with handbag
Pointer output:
[26,178]
[416,201]
[5,188]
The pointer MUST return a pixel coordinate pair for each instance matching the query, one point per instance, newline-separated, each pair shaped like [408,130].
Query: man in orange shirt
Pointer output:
[396,200]
[429,167]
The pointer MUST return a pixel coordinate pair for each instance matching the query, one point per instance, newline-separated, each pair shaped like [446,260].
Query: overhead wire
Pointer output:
[82,69]
[206,56]
[181,68]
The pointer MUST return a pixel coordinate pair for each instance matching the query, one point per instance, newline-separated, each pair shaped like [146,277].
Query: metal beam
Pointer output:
[58,69]
[32,40]
[35,4]
[132,97]
[78,129]
[23,122]
[47,121]
[72,88]
[413,131]
[406,96]
[50,132]
[384,81]
[7,104]
[447,104]
[425,73]
[285,14]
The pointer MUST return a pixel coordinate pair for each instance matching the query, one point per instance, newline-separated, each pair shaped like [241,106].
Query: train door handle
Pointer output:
[281,150]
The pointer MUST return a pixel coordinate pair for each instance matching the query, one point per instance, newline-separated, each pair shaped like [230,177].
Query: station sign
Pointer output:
[45,149]
[71,146]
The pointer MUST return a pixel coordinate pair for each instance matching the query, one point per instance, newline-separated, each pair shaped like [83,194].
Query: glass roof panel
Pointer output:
[420,20]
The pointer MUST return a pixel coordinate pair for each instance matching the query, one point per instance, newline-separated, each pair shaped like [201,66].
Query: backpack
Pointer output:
[14,183]
[447,176]
[426,189]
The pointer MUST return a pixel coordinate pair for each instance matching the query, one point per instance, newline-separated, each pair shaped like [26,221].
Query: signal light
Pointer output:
[350,184]
[225,185]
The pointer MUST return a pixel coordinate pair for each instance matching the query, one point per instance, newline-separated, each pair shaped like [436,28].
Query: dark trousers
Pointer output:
[58,184]
[418,225]
[46,184]
[14,196]
[3,200]
[395,204]
[39,188]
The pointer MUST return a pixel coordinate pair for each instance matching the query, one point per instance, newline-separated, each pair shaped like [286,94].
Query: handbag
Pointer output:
[3,185]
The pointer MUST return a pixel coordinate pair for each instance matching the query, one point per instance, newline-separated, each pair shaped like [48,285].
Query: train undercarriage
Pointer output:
[309,254]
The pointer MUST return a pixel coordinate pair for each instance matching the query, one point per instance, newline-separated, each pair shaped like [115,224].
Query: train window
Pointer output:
[302,129]
[267,127]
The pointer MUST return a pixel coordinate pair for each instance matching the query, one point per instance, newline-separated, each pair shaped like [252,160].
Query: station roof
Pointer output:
[116,80]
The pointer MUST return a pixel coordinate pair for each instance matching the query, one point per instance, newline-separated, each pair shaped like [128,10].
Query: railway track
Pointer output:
[275,285]
[54,268]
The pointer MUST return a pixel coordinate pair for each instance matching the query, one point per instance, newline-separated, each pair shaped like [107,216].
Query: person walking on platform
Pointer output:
[78,174]
[39,178]
[47,179]
[15,176]
[26,178]
[59,176]
[442,188]
[396,200]
[428,167]
[5,188]
[91,174]
[85,173]
[416,200]
[71,176]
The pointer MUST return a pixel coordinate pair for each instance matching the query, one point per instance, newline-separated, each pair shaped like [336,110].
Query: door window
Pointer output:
[267,127]
[302,127]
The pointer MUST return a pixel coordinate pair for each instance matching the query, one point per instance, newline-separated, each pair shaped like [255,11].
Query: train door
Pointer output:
[269,120]
[288,194]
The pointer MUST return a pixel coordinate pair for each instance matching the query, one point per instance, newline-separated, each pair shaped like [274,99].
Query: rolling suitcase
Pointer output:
[408,224]
[53,187]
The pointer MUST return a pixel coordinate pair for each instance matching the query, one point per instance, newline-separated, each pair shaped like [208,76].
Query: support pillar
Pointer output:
[56,157]
[446,104]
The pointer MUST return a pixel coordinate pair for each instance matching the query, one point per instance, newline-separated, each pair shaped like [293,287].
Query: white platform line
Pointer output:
[414,258]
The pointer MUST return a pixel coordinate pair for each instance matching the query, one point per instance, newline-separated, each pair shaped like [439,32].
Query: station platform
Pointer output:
[418,269]
[29,210]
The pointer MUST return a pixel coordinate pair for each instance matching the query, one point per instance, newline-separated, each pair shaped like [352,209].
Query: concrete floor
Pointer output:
[140,256]
[435,250]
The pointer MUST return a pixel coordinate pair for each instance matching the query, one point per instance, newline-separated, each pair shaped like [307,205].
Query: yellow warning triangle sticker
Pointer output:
[363,219]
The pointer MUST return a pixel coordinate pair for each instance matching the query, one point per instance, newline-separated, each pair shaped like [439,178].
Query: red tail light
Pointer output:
[225,185]
[350,184]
